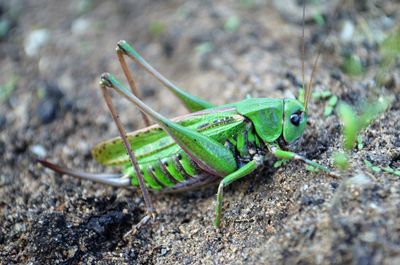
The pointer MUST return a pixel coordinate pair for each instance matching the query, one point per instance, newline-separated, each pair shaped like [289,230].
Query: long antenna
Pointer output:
[307,94]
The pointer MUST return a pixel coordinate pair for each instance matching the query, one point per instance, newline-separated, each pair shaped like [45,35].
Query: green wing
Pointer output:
[152,143]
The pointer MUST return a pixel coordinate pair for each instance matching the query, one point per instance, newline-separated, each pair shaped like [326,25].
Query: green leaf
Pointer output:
[321,94]
[333,101]
[7,89]
[311,168]
[248,4]
[352,65]
[350,125]
[328,110]
[368,164]
[330,105]
[376,169]
[388,169]
[84,6]
[156,28]
[232,24]
[390,47]
[280,163]
[341,160]
[204,48]
[372,167]
[391,171]
[371,110]
[319,19]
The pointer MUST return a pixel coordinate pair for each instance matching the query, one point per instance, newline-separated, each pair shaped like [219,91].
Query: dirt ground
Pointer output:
[52,54]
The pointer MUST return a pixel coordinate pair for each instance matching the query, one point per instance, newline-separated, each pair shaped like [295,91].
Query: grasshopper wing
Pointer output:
[153,143]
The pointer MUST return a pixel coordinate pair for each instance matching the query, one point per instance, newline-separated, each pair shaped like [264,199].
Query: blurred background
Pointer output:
[51,56]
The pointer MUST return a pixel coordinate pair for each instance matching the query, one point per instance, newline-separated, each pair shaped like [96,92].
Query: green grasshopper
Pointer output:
[211,144]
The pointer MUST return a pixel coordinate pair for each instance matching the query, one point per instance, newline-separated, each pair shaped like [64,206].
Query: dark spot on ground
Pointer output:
[49,107]
[55,239]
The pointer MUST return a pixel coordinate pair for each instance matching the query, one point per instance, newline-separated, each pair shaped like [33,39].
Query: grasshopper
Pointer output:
[210,144]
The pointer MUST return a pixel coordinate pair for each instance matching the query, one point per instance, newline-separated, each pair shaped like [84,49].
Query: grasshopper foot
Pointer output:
[138,226]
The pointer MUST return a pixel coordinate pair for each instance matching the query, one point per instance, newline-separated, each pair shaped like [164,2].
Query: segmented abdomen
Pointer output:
[178,167]
[162,162]
[166,172]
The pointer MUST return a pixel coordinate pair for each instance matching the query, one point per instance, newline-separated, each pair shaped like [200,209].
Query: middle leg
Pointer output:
[238,174]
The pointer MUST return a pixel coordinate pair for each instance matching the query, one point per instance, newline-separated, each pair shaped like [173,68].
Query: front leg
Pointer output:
[279,153]
[238,174]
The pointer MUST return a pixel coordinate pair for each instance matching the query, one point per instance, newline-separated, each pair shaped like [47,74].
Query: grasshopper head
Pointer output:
[294,120]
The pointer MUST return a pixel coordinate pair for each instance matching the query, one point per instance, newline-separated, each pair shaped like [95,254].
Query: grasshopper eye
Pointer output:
[295,119]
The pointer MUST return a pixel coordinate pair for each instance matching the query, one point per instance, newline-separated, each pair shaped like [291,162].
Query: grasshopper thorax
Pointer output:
[274,120]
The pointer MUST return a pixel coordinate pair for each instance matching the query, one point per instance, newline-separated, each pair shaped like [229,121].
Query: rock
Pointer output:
[47,110]
[48,106]
[38,150]
[35,40]
[163,252]
[80,26]
[347,32]
[358,180]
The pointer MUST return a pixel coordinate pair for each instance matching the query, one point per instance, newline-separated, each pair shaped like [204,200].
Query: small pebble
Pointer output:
[80,26]
[3,180]
[35,40]
[72,251]
[168,48]
[47,110]
[83,147]
[39,151]
[47,107]
[19,227]
[359,180]
[347,31]
[334,185]
[163,251]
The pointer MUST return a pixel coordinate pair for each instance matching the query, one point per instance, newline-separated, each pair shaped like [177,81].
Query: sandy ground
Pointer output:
[285,215]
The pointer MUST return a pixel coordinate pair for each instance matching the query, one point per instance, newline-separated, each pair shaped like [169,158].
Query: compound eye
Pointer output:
[295,119]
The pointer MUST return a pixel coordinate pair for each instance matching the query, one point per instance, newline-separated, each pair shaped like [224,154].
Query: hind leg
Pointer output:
[191,102]
[150,211]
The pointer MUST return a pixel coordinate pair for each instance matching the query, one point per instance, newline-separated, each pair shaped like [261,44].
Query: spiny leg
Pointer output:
[291,155]
[191,102]
[238,174]
[210,155]
[149,205]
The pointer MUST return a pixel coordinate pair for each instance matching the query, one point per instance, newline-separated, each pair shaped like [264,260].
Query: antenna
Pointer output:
[308,89]
[307,94]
